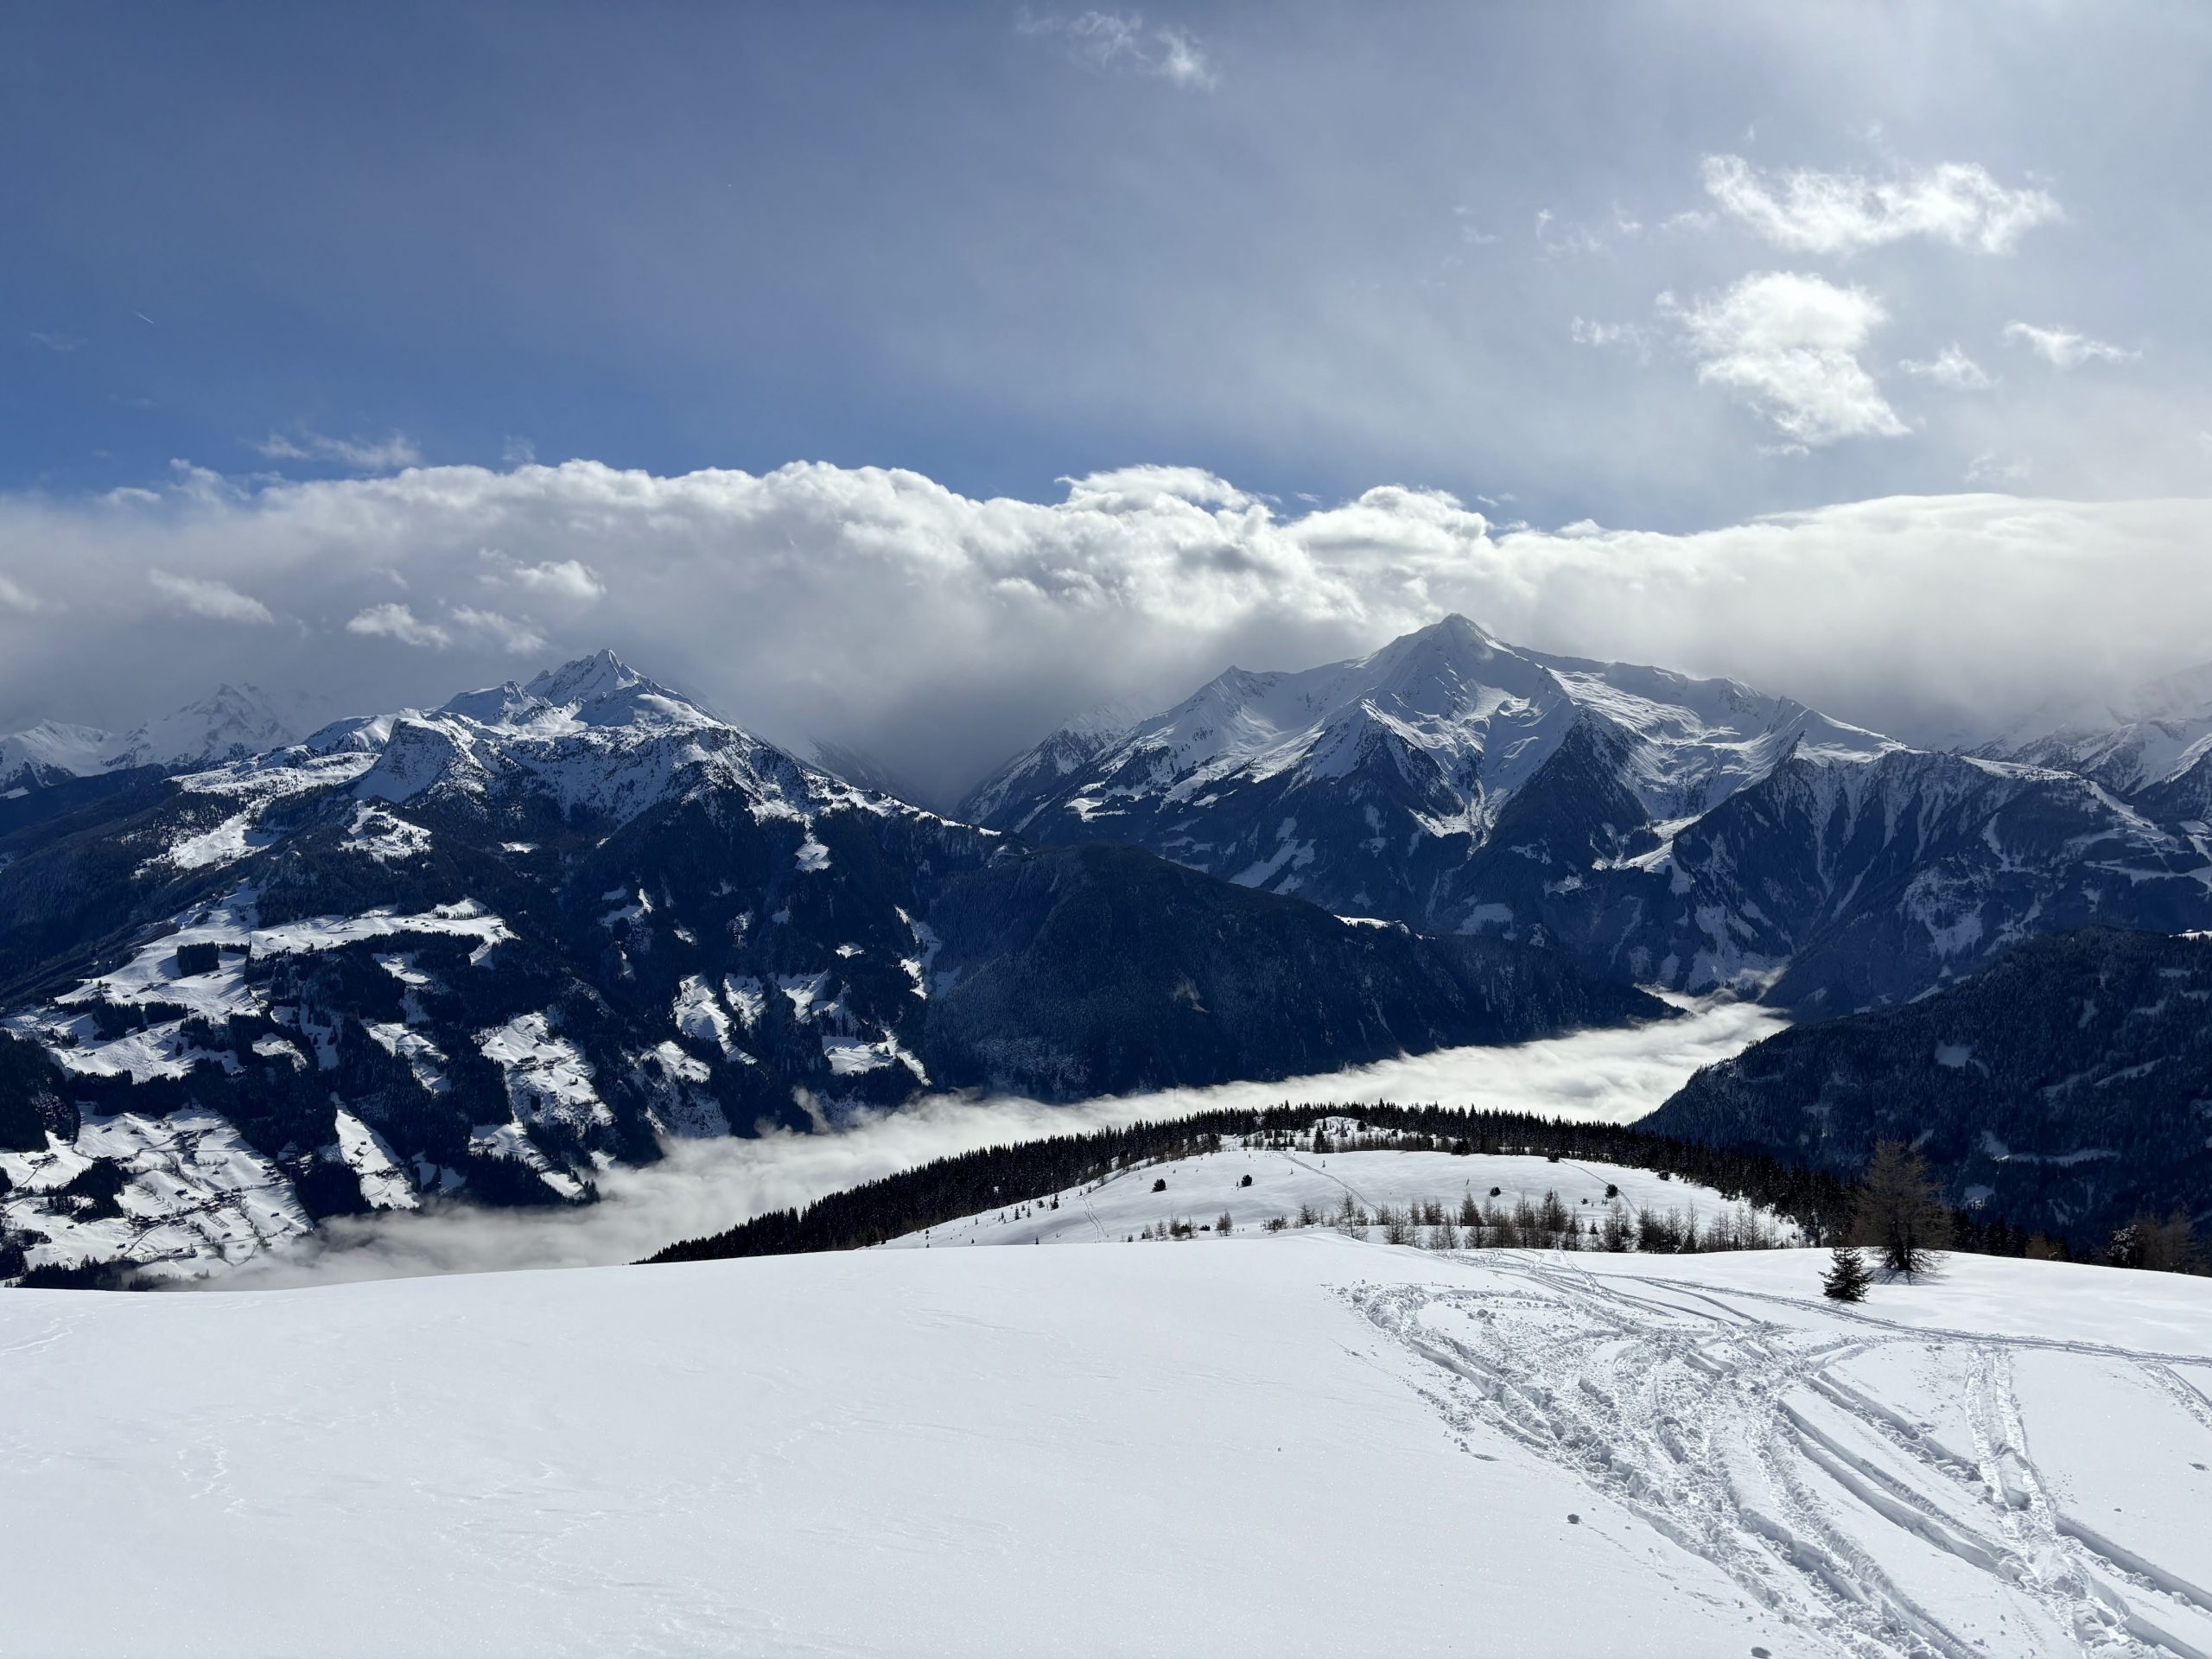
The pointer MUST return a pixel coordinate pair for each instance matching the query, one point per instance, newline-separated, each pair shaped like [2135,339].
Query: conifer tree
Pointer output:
[1847,1277]
[1900,1213]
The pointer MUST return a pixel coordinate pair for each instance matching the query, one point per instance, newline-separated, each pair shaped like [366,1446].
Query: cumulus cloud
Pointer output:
[1124,40]
[385,455]
[394,621]
[1810,211]
[2063,348]
[1787,344]
[939,632]
[516,638]
[217,601]
[569,579]
[704,1186]
[1950,367]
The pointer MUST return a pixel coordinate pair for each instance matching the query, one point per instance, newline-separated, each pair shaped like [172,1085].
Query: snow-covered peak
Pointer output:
[1486,713]
[231,724]
[50,749]
[2152,734]
[599,691]
[587,679]
[593,737]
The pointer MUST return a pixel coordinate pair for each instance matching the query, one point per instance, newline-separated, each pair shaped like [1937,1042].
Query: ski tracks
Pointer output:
[1727,1433]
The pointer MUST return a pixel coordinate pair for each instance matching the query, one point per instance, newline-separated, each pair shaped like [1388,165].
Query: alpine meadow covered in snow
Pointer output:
[1241,830]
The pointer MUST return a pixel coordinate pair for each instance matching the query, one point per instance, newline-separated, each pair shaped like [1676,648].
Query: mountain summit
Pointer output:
[1360,783]
[1693,833]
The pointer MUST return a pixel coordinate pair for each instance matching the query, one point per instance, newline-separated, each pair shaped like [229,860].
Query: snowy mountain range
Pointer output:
[1693,833]
[229,724]
[2153,746]
[495,947]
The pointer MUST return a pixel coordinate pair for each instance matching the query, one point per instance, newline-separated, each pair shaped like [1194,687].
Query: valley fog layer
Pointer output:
[1614,1075]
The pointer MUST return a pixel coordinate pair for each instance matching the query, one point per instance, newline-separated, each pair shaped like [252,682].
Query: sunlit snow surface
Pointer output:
[1296,1186]
[1271,1445]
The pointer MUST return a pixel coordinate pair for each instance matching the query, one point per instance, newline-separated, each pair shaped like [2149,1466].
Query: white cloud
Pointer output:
[878,609]
[1951,367]
[516,638]
[2064,349]
[394,622]
[1787,344]
[54,342]
[519,451]
[217,601]
[1809,212]
[569,579]
[14,596]
[359,455]
[1998,469]
[1122,40]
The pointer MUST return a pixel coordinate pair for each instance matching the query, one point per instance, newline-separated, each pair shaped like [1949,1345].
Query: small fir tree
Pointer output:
[1847,1277]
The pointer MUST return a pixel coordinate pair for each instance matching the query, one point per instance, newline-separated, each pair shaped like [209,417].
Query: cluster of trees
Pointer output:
[1900,1215]
[1549,1224]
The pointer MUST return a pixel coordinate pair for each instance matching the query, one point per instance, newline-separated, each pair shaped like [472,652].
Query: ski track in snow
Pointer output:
[1729,1432]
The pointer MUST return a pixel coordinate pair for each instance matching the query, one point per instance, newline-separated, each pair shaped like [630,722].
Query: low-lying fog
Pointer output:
[703,1187]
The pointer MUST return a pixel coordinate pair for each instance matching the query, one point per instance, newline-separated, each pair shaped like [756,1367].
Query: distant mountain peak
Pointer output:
[1367,783]
[602,674]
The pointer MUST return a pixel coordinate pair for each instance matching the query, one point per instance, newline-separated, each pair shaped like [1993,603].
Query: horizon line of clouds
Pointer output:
[880,610]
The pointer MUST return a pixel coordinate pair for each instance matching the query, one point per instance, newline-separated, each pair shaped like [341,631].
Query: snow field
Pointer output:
[1301,1446]
[1285,1183]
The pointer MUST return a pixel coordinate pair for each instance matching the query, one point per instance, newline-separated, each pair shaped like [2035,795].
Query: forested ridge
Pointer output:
[948,1188]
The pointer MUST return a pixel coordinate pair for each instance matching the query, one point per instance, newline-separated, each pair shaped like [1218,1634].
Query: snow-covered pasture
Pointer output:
[1271,1445]
[1296,1187]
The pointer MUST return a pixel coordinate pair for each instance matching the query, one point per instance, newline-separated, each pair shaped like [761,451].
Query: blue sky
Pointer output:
[1661,268]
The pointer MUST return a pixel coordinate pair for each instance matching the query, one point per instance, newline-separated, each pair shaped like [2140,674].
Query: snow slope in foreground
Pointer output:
[1297,1445]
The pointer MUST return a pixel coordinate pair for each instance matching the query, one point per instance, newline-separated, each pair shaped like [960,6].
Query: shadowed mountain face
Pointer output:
[1689,832]
[491,948]
[2062,1090]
